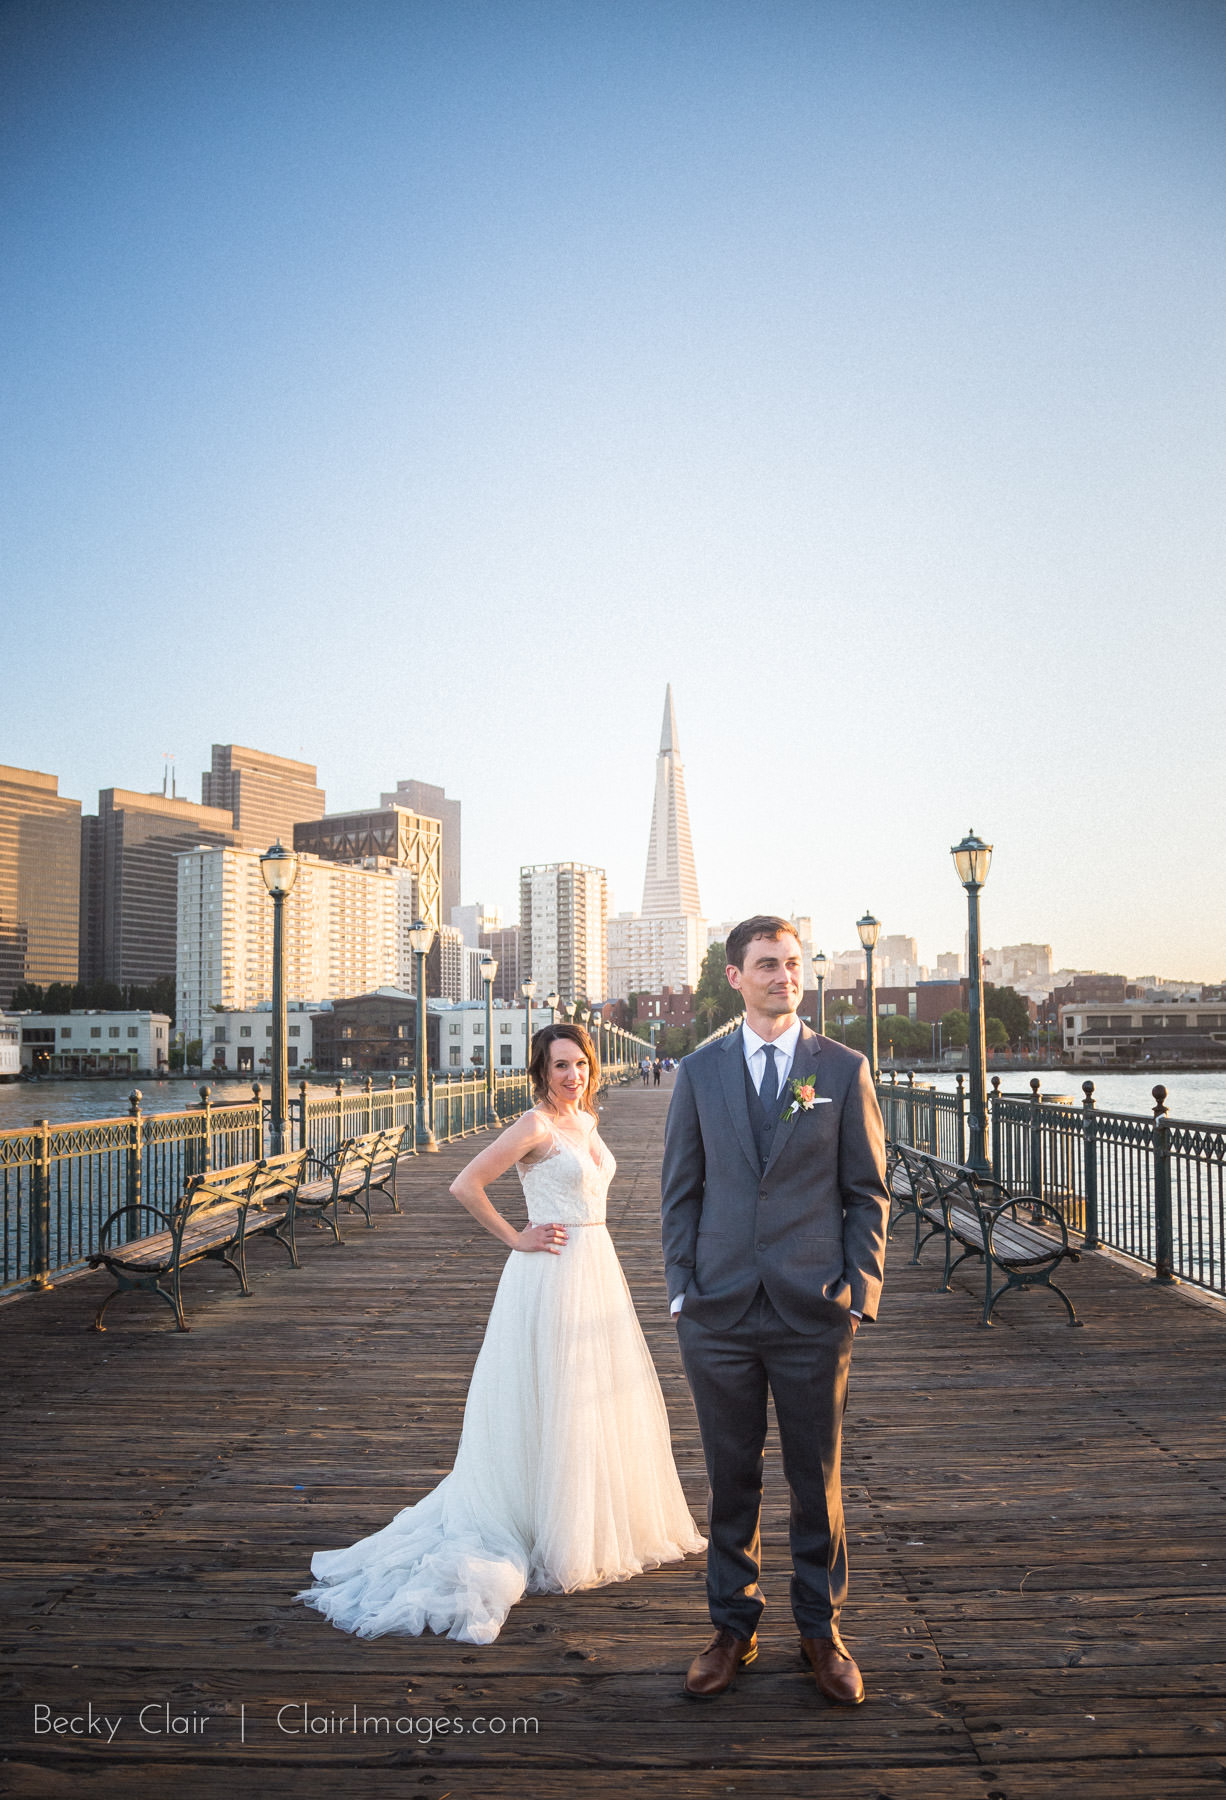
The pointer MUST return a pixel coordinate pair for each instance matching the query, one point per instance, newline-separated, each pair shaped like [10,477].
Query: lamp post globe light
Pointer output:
[819,970]
[868,928]
[527,989]
[551,1001]
[489,968]
[279,867]
[972,859]
[421,937]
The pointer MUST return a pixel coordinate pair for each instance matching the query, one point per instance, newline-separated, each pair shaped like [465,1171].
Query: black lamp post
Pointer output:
[527,989]
[279,867]
[489,968]
[972,859]
[868,927]
[819,970]
[421,936]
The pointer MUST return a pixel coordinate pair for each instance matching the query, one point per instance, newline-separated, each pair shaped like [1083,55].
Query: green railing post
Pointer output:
[368,1087]
[135,1196]
[206,1101]
[1089,1145]
[40,1209]
[994,1119]
[302,1115]
[1164,1220]
[961,1086]
[1036,1142]
[911,1108]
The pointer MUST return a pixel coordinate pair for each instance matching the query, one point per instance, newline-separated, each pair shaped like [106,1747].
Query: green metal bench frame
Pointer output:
[913,1193]
[213,1218]
[351,1175]
[983,1216]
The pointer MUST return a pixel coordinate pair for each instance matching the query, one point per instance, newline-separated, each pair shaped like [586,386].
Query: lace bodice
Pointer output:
[567,1187]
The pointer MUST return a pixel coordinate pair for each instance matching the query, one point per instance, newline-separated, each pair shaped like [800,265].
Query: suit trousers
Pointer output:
[730,1372]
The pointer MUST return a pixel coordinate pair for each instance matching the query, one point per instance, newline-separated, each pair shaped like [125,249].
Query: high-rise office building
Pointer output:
[423,797]
[40,881]
[342,932]
[382,834]
[563,919]
[265,795]
[665,944]
[129,879]
[502,943]
[475,919]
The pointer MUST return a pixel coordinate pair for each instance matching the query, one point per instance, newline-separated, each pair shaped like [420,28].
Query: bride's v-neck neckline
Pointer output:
[584,1154]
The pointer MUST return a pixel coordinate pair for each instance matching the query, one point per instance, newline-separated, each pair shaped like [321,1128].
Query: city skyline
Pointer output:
[402,389]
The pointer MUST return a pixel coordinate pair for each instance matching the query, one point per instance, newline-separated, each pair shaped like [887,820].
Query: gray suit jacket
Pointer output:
[810,1227]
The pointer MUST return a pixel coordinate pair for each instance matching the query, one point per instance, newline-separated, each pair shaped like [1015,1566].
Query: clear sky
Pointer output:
[418,387]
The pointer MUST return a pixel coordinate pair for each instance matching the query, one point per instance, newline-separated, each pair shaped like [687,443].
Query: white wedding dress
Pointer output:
[564,1477]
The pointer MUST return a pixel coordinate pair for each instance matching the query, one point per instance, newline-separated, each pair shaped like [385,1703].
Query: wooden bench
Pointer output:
[983,1217]
[214,1217]
[351,1176]
[914,1193]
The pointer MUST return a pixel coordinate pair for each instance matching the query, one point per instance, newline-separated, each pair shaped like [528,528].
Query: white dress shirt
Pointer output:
[755,1054]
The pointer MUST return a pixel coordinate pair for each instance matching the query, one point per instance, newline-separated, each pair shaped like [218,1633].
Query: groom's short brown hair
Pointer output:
[762,925]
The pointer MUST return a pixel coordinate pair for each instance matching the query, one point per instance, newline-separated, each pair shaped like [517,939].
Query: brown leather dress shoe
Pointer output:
[836,1672]
[714,1668]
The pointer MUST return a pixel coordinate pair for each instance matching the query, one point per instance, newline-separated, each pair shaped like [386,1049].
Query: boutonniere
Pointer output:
[804,1097]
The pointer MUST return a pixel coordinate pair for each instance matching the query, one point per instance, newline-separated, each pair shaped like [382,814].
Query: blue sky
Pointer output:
[419,387]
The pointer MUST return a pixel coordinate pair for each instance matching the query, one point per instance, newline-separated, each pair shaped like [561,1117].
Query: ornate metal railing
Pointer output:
[1152,1188]
[58,1183]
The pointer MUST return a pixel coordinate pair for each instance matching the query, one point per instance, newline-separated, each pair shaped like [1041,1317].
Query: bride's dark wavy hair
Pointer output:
[538,1067]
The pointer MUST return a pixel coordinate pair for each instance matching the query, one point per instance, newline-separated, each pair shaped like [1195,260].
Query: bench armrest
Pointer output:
[1033,1206]
[122,1211]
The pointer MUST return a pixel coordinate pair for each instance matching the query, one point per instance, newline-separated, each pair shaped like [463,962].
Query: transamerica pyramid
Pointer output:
[670,887]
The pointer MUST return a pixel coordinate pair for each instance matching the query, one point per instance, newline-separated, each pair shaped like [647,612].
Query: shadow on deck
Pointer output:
[1036,1518]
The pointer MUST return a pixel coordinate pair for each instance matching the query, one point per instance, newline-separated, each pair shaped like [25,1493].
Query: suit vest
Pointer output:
[761,1122]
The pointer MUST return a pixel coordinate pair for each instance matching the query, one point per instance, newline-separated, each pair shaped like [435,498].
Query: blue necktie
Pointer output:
[768,1092]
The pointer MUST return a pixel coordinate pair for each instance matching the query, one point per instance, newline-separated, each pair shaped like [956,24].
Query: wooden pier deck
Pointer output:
[1037,1522]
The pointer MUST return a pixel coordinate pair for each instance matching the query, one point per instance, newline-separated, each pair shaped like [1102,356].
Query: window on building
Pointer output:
[133,1031]
[346,1062]
[347,1032]
[456,1054]
[244,1031]
[268,1031]
[219,1034]
[112,1031]
[295,1031]
[506,1032]
[505,1057]
[66,1031]
[454,1030]
[291,1056]
[95,1031]
[402,1062]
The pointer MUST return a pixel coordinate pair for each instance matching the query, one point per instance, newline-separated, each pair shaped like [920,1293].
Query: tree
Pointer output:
[1007,1005]
[714,1001]
[675,1040]
[899,1035]
[955,1030]
[995,1033]
[27,997]
[58,998]
[195,1052]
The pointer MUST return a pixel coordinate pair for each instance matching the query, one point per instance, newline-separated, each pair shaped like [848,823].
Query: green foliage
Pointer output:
[27,997]
[675,1040]
[714,1001]
[955,1030]
[994,1032]
[897,1035]
[1007,1005]
[195,1052]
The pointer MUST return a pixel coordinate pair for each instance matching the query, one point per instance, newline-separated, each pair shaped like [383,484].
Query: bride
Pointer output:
[564,1476]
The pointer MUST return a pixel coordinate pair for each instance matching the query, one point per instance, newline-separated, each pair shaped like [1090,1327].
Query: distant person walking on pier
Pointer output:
[774,1215]
[645,1069]
[657,1069]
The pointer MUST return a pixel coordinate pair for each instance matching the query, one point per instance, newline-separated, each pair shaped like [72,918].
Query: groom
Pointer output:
[774,1215]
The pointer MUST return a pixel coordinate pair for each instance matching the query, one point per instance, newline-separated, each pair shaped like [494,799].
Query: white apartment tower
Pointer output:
[344,928]
[563,920]
[663,946]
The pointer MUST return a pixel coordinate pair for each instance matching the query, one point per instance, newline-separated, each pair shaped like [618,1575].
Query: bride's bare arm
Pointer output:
[519,1143]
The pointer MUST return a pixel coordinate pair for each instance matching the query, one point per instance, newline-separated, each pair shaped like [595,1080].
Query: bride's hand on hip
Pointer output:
[542,1237]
